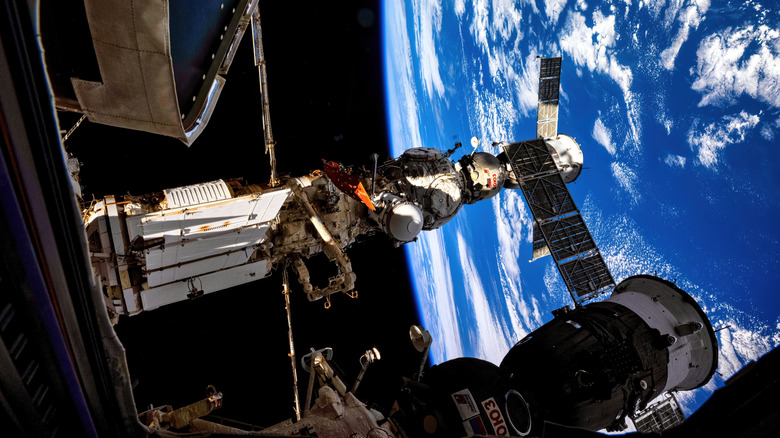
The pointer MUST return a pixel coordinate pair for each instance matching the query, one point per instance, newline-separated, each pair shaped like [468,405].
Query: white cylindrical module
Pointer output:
[567,156]
[693,353]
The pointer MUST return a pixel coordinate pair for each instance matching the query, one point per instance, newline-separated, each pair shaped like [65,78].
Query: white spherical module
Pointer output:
[484,175]
[404,222]
[567,156]
[400,220]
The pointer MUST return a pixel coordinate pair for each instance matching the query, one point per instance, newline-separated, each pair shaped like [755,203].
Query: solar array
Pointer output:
[549,86]
[559,229]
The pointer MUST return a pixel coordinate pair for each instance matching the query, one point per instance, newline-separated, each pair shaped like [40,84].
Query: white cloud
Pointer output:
[624,248]
[666,122]
[627,179]
[594,48]
[725,70]
[690,16]
[460,7]
[655,6]
[479,26]
[675,161]
[709,141]
[498,29]
[768,133]
[553,9]
[602,135]
[492,116]
[769,129]
[405,124]
[431,268]
[427,25]
[507,20]
[491,338]
[527,85]
[513,227]
[739,345]
[557,295]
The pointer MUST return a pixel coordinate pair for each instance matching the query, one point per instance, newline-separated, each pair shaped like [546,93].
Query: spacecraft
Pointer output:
[156,249]
[590,367]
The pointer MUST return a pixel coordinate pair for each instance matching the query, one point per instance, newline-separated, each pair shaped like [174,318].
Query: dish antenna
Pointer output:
[421,340]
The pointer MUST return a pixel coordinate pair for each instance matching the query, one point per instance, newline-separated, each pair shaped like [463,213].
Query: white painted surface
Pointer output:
[662,307]
[216,281]
[197,194]
[208,237]
[214,217]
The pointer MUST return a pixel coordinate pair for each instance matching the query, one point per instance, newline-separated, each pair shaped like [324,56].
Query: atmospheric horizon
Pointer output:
[666,186]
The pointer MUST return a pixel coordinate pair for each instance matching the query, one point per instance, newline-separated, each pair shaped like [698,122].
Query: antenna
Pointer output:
[474,144]
[366,359]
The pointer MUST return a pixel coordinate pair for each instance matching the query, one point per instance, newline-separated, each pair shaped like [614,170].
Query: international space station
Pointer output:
[157,249]
[591,367]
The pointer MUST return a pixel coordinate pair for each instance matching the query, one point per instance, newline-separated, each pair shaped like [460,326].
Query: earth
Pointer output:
[676,107]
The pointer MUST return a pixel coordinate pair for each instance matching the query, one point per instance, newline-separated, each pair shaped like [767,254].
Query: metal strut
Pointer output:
[270,144]
[71,130]
[286,292]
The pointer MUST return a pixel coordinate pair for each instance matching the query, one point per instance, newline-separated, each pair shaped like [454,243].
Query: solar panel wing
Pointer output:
[568,237]
[548,197]
[559,229]
[586,277]
[540,248]
[549,90]
[550,67]
[530,158]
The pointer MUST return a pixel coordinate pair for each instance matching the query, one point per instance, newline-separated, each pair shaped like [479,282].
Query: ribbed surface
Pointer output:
[197,194]
[27,362]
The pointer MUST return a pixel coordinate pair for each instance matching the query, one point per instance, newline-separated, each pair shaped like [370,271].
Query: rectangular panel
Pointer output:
[197,194]
[549,89]
[268,206]
[214,217]
[568,237]
[540,248]
[529,158]
[156,225]
[174,292]
[200,256]
[547,129]
[587,276]
[547,111]
[550,67]
[548,197]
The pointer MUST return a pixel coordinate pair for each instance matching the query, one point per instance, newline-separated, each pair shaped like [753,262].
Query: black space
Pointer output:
[327,101]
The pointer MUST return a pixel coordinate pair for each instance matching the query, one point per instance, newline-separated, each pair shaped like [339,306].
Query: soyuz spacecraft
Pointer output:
[590,367]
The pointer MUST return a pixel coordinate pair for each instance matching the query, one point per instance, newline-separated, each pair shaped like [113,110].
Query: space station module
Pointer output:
[178,244]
